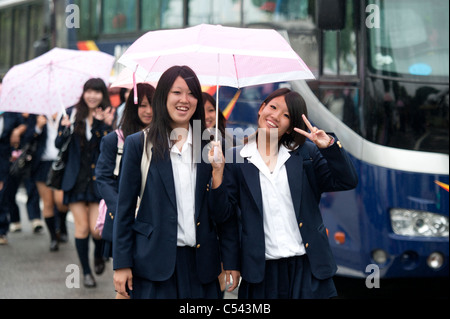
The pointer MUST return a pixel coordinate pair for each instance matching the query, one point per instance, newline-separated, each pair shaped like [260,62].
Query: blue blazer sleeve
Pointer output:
[107,184]
[129,189]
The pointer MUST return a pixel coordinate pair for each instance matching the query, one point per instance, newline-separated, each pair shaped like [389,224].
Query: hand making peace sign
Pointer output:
[318,137]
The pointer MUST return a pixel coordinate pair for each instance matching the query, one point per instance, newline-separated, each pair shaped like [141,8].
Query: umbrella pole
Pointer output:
[216,151]
[63,109]
[217,112]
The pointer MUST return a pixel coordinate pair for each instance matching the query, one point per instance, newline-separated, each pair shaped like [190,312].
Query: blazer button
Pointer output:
[92,165]
[198,224]
[339,144]
[300,225]
[94,178]
[198,245]
[306,245]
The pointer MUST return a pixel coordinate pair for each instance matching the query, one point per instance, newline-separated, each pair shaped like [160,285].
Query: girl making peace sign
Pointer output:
[274,183]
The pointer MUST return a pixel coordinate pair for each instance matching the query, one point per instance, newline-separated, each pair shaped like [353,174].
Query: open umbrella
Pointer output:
[222,56]
[53,81]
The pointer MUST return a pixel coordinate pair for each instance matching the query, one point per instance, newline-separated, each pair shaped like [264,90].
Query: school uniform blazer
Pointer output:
[30,135]
[148,243]
[10,122]
[310,172]
[98,130]
[107,183]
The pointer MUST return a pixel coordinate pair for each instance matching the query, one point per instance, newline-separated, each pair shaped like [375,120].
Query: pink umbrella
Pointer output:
[222,56]
[53,81]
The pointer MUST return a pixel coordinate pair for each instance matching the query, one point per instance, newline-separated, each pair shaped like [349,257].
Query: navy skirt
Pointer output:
[288,278]
[183,284]
[41,172]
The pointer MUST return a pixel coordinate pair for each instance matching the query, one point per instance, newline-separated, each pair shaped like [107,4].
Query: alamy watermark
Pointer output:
[73,279]
[373,19]
[73,17]
[373,278]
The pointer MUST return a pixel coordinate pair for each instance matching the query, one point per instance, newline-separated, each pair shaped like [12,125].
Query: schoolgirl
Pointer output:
[274,182]
[93,120]
[44,129]
[170,249]
[135,118]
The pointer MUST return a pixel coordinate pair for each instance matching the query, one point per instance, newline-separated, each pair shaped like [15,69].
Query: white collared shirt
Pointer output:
[281,232]
[184,175]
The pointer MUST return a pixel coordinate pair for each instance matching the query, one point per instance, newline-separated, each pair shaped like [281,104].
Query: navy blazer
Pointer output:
[10,122]
[107,183]
[148,243]
[310,172]
[99,129]
[30,135]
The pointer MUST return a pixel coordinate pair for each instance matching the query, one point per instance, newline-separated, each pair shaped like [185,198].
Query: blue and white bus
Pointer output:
[382,85]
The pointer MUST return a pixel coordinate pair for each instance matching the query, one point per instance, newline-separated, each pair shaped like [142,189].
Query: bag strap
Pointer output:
[145,164]
[120,143]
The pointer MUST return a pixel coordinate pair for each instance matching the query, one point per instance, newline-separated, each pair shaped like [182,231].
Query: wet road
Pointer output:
[28,270]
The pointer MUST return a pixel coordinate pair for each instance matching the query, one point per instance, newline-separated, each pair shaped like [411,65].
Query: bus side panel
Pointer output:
[363,215]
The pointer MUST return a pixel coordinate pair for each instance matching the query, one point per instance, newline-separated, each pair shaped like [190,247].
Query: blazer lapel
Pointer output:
[294,170]
[164,167]
[251,176]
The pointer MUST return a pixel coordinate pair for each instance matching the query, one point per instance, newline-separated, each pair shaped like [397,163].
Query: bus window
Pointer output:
[89,26]
[20,35]
[226,12]
[339,48]
[258,11]
[5,38]
[412,38]
[163,14]
[294,16]
[407,90]
[36,29]
[119,16]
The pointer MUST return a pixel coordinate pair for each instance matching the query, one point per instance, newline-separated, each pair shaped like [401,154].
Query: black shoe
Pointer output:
[54,245]
[89,281]
[62,238]
[99,265]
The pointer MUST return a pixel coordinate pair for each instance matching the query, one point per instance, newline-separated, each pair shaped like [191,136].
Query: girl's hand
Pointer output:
[41,120]
[65,121]
[318,137]
[217,160]
[123,279]
[215,156]
[106,115]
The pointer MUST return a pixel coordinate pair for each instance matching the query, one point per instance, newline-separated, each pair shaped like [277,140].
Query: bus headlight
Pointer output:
[407,222]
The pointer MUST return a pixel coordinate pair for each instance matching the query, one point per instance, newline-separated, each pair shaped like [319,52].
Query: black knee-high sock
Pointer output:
[98,245]
[51,225]
[82,245]
[62,220]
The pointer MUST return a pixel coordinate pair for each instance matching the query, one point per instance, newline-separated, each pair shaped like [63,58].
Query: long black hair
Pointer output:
[95,84]
[130,122]
[160,128]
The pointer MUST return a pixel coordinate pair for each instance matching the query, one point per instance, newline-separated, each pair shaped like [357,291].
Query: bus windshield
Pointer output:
[409,38]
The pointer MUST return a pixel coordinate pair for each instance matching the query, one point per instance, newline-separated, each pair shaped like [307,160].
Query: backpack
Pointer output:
[145,164]
[102,205]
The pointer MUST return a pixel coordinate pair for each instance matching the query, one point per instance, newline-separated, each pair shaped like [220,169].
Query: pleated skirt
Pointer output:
[288,278]
[183,284]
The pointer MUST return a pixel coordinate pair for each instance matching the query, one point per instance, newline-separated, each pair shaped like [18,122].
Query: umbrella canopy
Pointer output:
[53,81]
[221,56]
[125,80]
[226,56]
